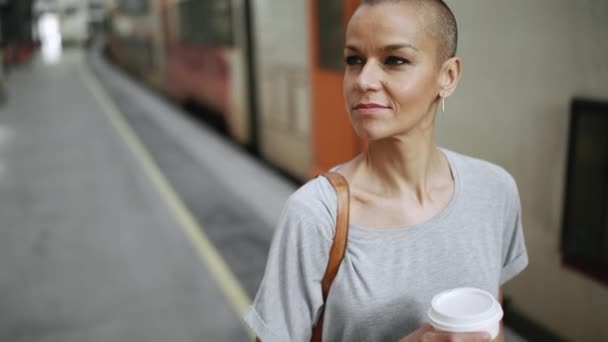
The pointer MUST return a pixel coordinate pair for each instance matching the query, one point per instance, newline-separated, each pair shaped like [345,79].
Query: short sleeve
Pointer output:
[289,299]
[515,254]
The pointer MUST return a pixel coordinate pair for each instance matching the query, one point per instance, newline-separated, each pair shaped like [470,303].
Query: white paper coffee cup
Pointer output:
[466,309]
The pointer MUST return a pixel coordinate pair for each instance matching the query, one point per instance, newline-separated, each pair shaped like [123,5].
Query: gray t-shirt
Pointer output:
[388,276]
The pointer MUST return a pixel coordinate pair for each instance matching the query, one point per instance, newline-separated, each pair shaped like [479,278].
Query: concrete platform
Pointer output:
[88,250]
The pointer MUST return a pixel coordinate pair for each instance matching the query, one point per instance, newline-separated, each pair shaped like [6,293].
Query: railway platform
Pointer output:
[123,219]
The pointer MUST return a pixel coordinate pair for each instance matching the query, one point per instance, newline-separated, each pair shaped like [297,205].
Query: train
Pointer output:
[260,67]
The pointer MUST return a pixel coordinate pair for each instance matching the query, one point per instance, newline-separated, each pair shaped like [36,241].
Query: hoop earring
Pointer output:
[443,104]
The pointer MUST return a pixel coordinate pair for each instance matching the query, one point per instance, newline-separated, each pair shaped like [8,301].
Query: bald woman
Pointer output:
[423,218]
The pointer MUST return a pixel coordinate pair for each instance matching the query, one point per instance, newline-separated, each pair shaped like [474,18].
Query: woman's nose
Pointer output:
[370,77]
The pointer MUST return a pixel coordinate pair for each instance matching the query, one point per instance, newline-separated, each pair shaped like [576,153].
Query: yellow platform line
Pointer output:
[205,248]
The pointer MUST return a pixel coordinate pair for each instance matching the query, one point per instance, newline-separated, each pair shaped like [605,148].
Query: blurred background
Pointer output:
[147,147]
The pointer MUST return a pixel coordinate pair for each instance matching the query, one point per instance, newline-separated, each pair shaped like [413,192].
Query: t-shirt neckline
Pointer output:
[358,230]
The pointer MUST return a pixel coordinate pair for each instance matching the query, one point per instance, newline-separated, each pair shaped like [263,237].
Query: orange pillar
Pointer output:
[333,138]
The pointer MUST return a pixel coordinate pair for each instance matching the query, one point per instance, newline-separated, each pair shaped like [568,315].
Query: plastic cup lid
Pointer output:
[462,309]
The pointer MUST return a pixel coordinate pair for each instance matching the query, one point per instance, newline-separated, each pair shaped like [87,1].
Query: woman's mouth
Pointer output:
[369,108]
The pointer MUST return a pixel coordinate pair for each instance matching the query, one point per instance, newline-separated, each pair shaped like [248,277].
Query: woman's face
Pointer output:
[391,81]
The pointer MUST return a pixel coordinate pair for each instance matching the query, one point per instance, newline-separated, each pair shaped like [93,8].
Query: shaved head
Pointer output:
[439,21]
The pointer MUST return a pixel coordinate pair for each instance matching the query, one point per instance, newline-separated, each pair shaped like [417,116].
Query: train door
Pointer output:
[334,141]
[281,40]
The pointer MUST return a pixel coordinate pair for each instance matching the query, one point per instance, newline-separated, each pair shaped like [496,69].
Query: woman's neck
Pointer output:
[404,167]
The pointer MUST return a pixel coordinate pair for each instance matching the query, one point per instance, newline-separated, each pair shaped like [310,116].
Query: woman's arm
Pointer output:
[290,296]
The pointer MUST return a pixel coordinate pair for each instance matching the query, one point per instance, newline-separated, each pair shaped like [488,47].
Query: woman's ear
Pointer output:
[449,76]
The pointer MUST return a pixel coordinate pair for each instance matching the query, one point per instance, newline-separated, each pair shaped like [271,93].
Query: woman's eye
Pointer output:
[353,60]
[394,60]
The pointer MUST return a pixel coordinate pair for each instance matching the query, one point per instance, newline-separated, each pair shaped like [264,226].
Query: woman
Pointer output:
[423,219]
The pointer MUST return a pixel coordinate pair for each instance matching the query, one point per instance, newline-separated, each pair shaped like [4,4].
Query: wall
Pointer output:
[523,61]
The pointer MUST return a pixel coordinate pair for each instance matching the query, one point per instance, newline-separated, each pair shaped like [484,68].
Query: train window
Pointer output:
[585,225]
[331,34]
[134,7]
[206,22]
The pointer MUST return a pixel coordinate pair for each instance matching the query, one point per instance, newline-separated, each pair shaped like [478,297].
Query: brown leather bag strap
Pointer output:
[338,247]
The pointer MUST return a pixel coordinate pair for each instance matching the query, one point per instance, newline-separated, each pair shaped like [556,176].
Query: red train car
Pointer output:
[206,60]
[274,77]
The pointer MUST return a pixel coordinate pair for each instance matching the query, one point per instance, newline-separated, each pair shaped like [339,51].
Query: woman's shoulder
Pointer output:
[481,171]
[314,197]
[315,203]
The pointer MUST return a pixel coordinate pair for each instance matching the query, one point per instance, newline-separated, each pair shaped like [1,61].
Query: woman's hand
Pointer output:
[426,333]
